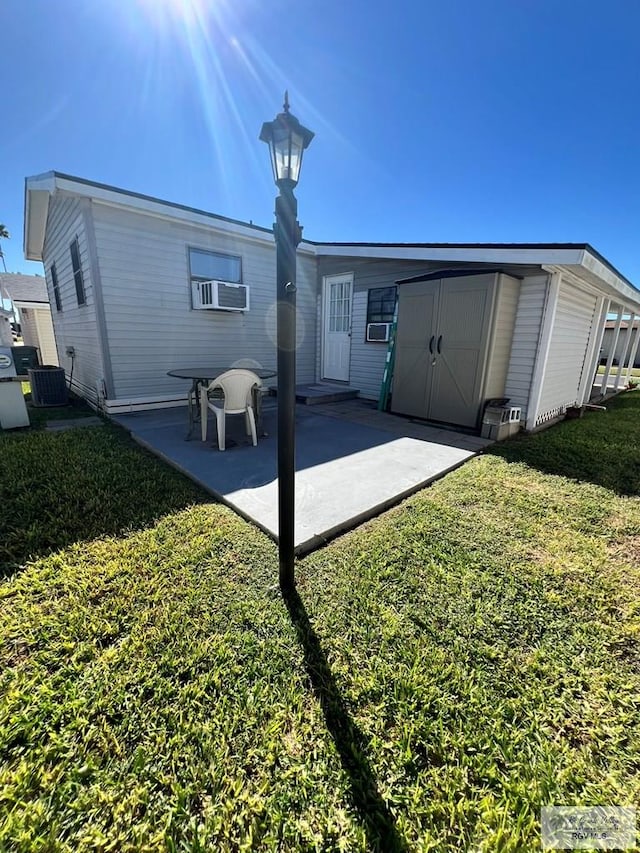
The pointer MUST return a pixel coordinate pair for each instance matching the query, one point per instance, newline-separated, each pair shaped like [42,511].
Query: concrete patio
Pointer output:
[352,463]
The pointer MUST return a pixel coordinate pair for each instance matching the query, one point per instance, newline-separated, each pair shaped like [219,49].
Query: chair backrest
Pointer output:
[236,385]
[248,363]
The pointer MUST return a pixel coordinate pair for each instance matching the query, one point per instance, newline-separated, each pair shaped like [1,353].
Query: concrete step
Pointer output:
[313,395]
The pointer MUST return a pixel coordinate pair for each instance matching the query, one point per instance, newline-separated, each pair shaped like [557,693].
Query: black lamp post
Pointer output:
[287,140]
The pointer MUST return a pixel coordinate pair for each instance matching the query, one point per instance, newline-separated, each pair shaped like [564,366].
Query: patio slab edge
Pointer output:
[185,472]
[319,540]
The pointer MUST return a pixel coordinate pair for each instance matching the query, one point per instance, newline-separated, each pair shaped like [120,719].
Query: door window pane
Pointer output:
[339,306]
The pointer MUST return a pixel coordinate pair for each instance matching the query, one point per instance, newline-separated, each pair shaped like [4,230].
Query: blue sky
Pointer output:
[456,121]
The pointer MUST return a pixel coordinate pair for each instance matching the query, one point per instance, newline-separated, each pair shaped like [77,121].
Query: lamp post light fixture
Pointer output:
[287,140]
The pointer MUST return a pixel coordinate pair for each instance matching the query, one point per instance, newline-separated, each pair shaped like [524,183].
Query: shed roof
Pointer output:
[24,288]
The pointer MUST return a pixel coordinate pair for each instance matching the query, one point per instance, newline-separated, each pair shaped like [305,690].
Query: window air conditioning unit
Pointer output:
[220,295]
[378,331]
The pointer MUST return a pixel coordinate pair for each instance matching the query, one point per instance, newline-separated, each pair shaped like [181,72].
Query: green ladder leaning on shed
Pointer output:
[387,376]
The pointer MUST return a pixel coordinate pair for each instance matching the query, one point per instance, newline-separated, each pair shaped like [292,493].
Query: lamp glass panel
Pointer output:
[281,150]
[295,157]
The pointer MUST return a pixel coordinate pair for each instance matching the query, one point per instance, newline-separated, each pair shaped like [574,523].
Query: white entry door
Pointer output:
[337,297]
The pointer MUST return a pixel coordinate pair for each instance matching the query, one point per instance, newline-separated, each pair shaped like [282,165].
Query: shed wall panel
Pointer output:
[505,311]
[526,337]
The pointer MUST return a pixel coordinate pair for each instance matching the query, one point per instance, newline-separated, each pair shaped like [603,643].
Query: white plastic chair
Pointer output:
[261,391]
[237,386]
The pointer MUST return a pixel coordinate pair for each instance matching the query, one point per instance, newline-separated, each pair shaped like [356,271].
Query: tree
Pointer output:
[4,235]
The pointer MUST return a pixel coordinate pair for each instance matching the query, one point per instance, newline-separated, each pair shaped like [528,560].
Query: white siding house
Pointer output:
[28,294]
[128,316]
[627,333]
[517,321]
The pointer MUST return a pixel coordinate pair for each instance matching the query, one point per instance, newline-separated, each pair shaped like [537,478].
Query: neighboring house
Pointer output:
[29,296]
[127,278]
[6,317]
[610,334]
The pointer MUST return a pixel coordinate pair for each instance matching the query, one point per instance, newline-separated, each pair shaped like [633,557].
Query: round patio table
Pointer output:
[202,376]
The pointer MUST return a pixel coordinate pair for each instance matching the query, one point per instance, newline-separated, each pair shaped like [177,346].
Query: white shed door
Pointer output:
[337,298]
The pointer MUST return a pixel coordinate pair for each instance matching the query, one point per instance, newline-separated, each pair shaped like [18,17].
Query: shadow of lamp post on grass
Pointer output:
[352,745]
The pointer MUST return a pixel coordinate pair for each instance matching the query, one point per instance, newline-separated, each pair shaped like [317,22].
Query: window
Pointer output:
[207,266]
[56,289]
[77,272]
[381,304]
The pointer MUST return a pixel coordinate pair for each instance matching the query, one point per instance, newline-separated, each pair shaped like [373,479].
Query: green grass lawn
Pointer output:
[635,371]
[447,668]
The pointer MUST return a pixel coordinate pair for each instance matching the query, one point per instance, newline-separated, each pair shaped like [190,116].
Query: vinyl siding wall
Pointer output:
[75,325]
[505,311]
[574,320]
[151,327]
[526,337]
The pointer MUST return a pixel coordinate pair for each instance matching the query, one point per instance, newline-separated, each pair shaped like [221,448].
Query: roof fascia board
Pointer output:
[572,275]
[159,210]
[492,255]
[603,271]
[30,303]
[137,201]
[37,183]
[35,223]
[45,181]
[166,211]
[595,284]
[163,210]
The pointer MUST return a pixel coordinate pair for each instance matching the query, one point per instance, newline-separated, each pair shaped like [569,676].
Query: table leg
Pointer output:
[193,396]
[257,408]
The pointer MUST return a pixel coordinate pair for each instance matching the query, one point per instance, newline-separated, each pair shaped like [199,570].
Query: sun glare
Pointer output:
[172,12]
[215,49]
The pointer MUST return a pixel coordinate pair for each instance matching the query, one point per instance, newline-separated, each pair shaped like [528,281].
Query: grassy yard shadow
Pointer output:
[60,488]
[590,448]
[352,745]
